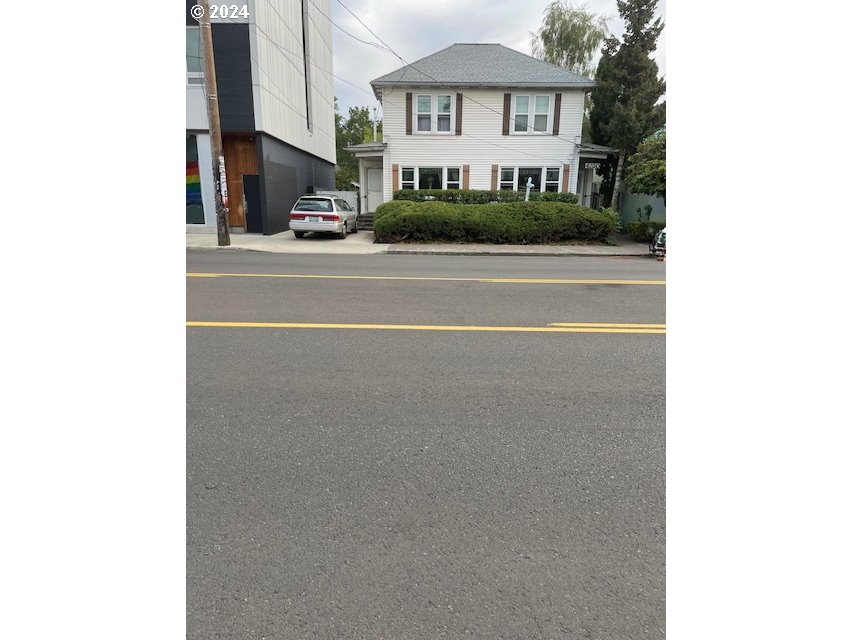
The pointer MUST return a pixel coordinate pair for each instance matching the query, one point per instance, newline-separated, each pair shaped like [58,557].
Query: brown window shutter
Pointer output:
[395,177]
[507,99]
[494,177]
[466,174]
[408,116]
[566,170]
[458,114]
[557,99]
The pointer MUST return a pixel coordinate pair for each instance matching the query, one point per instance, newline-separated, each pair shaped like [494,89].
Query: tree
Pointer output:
[356,129]
[569,38]
[646,172]
[627,88]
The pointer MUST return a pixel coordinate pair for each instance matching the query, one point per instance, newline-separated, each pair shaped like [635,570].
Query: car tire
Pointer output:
[343,233]
[355,226]
[299,234]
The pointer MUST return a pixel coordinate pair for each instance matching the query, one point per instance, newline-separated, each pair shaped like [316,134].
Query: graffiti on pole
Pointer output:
[223,185]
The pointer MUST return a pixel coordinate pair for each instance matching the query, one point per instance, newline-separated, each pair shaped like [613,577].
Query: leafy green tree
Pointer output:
[357,128]
[627,88]
[646,172]
[569,38]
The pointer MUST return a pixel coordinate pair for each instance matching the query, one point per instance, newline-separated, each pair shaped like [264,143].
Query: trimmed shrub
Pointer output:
[614,215]
[477,196]
[644,231]
[393,206]
[498,223]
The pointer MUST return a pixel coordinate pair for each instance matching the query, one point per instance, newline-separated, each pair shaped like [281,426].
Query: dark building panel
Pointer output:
[191,22]
[233,62]
[286,174]
[233,77]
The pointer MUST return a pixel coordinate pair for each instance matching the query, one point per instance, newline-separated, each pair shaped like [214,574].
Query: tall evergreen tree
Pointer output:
[624,110]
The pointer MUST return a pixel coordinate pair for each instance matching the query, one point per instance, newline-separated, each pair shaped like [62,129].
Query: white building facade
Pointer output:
[475,116]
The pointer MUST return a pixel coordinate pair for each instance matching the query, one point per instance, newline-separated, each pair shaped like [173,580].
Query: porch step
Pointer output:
[365,221]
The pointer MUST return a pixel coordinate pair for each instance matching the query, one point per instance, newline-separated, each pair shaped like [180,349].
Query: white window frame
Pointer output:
[531,114]
[542,182]
[416,176]
[433,113]
[413,181]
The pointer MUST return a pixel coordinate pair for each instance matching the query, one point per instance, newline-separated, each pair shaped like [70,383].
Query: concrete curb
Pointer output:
[540,254]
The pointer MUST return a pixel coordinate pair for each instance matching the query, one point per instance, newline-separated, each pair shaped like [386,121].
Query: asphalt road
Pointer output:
[422,483]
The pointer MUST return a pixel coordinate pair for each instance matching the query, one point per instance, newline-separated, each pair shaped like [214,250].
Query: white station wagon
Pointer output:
[323,214]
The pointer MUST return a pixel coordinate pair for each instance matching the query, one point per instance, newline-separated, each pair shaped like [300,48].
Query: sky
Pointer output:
[416,30]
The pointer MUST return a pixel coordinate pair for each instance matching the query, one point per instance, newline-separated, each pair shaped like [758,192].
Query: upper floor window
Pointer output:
[434,113]
[531,114]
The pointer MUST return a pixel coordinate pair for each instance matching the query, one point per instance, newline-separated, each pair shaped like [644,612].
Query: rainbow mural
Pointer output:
[193,183]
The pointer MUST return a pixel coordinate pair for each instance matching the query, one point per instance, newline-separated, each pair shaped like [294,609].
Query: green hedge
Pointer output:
[475,196]
[502,223]
[639,231]
[392,206]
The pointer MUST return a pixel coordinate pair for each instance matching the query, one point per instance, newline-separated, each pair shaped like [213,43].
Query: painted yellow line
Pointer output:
[605,325]
[483,280]
[427,327]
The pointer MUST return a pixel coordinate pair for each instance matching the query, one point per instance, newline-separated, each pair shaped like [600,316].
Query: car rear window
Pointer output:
[313,204]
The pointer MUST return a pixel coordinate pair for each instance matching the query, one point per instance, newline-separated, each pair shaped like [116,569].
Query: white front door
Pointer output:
[374,189]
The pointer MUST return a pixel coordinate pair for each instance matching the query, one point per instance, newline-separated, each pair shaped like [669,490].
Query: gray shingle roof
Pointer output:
[481,65]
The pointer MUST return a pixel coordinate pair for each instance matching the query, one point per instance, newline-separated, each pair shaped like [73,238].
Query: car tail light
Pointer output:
[334,217]
[297,216]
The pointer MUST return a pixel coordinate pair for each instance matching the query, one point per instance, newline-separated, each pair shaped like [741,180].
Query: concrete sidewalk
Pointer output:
[362,243]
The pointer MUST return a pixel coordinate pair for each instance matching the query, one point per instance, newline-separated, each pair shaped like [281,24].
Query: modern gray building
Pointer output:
[273,64]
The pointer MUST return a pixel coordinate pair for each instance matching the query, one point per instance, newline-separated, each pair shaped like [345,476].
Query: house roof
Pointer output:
[481,65]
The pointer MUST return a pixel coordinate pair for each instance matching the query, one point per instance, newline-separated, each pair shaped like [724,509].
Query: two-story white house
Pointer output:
[477,116]
[273,61]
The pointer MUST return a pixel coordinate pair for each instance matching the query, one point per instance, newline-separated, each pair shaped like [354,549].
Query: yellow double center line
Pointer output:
[423,278]
[556,327]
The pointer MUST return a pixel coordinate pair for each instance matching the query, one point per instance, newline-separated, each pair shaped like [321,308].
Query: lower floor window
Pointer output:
[541,178]
[407,180]
[430,178]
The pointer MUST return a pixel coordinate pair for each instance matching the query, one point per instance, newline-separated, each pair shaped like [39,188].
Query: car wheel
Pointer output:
[299,234]
[343,233]
[355,226]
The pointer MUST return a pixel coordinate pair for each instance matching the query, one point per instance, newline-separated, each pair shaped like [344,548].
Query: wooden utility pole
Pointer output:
[218,158]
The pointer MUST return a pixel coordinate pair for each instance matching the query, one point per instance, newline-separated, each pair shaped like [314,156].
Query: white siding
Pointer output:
[196,108]
[481,144]
[278,77]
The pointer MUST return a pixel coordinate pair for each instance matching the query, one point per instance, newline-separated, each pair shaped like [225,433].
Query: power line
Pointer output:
[446,86]
[551,161]
[372,44]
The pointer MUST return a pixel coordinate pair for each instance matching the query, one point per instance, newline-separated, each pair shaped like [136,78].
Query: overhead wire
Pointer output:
[446,86]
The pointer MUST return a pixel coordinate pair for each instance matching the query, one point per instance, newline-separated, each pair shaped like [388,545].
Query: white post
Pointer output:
[527,192]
